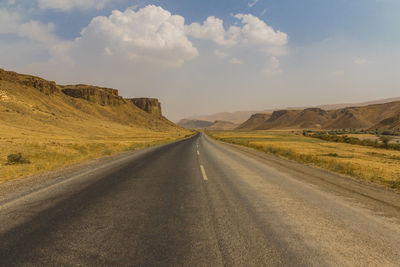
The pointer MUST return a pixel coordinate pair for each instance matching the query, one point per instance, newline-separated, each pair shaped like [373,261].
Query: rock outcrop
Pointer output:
[150,105]
[44,86]
[99,95]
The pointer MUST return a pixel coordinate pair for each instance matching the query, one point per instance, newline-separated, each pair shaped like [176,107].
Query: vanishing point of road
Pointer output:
[198,202]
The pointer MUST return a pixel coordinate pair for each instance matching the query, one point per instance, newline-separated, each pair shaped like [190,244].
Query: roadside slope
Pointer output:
[56,125]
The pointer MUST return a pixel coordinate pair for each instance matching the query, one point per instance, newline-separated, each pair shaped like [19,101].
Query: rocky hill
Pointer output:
[99,95]
[363,117]
[150,105]
[391,123]
[240,117]
[44,86]
[31,101]
[222,126]
[53,126]
[255,121]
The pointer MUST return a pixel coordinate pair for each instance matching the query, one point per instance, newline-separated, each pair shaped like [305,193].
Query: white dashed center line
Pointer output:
[203,172]
[198,153]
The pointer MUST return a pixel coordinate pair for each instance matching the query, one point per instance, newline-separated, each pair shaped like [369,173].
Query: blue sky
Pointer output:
[269,53]
[305,21]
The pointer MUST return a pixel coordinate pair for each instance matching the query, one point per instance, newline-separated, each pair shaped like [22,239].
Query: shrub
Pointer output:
[17,159]
[387,132]
[107,152]
[333,155]
[385,140]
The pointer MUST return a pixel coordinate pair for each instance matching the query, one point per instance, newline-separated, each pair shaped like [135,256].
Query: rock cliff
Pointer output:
[44,86]
[150,105]
[99,95]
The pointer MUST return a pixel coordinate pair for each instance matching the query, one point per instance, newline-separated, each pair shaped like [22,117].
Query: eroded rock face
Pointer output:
[150,105]
[100,95]
[44,86]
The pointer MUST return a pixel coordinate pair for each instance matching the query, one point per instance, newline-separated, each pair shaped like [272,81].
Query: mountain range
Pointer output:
[376,116]
[239,117]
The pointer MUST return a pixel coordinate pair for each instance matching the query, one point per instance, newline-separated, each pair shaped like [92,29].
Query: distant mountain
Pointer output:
[391,123]
[241,116]
[194,124]
[361,104]
[234,117]
[201,124]
[255,121]
[222,125]
[363,117]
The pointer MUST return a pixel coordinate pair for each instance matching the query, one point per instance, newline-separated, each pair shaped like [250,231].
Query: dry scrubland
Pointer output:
[366,163]
[55,130]
[53,152]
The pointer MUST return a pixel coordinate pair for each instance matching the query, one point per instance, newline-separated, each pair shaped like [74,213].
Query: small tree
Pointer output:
[385,140]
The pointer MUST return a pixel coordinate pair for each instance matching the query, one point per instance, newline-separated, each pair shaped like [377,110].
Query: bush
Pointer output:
[107,152]
[333,155]
[387,132]
[385,140]
[17,159]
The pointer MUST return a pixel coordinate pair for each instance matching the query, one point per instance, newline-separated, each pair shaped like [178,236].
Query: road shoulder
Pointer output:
[376,197]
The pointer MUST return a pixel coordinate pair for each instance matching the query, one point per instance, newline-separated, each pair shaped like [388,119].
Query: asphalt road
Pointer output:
[198,202]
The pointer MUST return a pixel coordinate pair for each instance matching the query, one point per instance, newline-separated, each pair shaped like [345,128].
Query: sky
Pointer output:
[202,57]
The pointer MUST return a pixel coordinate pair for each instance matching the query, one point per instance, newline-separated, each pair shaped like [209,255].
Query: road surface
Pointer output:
[198,202]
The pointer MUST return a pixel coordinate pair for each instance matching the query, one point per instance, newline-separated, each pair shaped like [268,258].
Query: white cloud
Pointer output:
[150,34]
[220,54]
[37,31]
[66,5]
[272,67]
[235,61]
[360,61]
[24,41]
[12,22]
[213,29]
[253,31]
[11,2]
[256,31]
[9,21]
[252,3]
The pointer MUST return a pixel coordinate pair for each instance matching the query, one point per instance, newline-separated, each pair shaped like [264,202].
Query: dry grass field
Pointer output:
[53,152]
[55,130]
[366,163]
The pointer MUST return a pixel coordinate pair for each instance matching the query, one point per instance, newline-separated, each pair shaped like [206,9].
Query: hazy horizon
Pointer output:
[206,57]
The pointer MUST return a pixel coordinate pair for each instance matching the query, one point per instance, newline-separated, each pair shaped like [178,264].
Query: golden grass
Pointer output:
[55,131]
[366,163]
[53,153]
